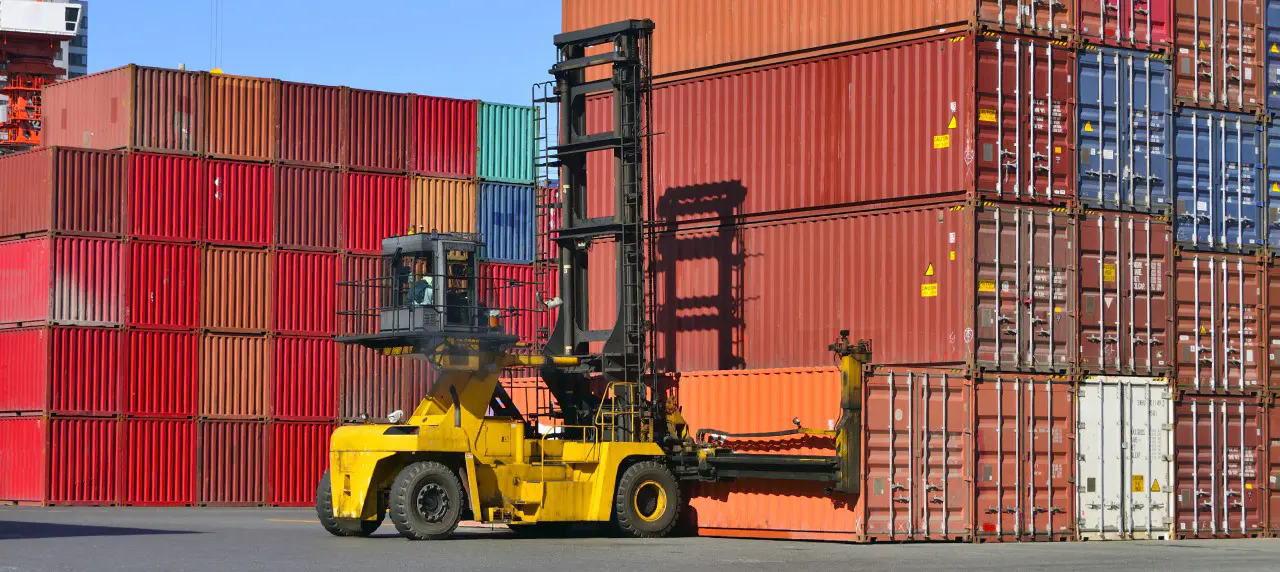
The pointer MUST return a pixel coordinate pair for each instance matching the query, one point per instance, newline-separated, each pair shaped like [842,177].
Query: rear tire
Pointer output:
[427,501]
[341,526]
[647,502]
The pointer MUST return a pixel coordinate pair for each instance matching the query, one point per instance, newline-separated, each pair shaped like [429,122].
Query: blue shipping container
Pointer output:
[1271,186]
[1272,48]
[506,222]
[1124,128]
[1217,169]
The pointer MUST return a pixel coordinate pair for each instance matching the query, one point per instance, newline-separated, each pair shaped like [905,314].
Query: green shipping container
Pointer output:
[506,143]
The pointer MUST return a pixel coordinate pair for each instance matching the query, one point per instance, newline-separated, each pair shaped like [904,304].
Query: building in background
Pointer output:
[74,55]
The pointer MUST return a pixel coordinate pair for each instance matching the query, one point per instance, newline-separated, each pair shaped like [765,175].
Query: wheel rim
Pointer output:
[649,501]
[432,502]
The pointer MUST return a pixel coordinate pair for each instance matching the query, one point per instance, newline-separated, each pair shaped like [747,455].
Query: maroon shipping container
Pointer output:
[1273,469]
[61,370]
[977,125]
[161,373]
[356,275]
[1125,293]
[1216,317]
[1272,333]
[1219,51]
[231,463]
[378,130]
[304,379]
[444,137]
[158,462]
[298,453]
[306,298]
[313,130]
[992,286]
[235,373]
[373,385]
[1218,447]
[373,208]
[132,107]
[164,285]
[513,290]
[307,206]
[62,280]
[238,203]
[60,461]
[74,191]
[166,197]
[1024,431]
[236,290]
[1137,24]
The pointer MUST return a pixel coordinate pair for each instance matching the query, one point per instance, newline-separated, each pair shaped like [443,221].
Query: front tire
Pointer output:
[647,502]
[341,526]
[426,501]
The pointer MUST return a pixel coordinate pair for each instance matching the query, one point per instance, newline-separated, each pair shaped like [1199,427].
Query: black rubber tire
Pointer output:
[340,526]
[406,511]
[629,521]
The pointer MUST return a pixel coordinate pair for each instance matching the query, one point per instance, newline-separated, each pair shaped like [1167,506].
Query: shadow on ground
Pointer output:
[19,530]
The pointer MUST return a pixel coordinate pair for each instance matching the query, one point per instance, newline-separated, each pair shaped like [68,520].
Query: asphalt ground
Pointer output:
[101,539]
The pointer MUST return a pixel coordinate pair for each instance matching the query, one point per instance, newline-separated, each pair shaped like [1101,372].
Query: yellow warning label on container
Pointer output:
[952,255]
[1057,150]
[929,290]
[1202,46]
[1204,330]
[928,271]
[1088,127]
[1155,486]
[1275,187]
[987,115]
[1275,49]
[1248,486]
[1109,272]
[1139,484]
[941,141]
[986,285]
[952,123]
[1057,309]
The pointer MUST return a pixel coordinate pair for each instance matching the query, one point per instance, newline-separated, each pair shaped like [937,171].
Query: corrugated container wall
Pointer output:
[23,458]
[231,463]
[378,130]
[373,208]
[1124,128]
[513,290]
[138,108]
[297,456]
[61,370]
[362,270]
[166,197]
[1271,378]
[306,298]
[1137,24]
[62,280]
[61,460]
[161,373]
[62,190]
[307,208]
[505,222]
[313,128]
[235,372]
[236,290]
[444,137]
[164,285]
[374,385]
[244,114]
[304,378]
[1271,42]
[506,143]
[158,462]
[1217,161]
[442,205]
[1269,194]
[1218,451]
[238,203]
[1217,320]
[1218,49]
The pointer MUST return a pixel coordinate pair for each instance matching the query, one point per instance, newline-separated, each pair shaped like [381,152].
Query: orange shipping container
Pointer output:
[243,117]
[234,376]
[235,294]
[442,205]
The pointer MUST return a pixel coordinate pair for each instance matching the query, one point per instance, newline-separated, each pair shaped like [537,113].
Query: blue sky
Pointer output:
[478,49]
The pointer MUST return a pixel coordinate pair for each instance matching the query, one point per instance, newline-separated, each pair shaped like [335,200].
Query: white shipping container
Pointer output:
[1125,458]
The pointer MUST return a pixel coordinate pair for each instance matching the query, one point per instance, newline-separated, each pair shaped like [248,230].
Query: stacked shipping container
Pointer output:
[171,295]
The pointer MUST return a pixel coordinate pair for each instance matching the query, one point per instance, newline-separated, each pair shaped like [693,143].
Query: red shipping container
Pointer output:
[313,130]
[1216,317]
[1218,447]
[304,379]
[1136,24]
[378,128]
[374,207]
[166,197]
[373,385]
[306,210]
[1025,458]
[1125,292]
[61,370]
[1219,51]
[162,373]
[164,285]
[231,467]
[306,298]
[59,461]
[979,125]
[444,137]
[74,191]
[1273,469]
[298,455]
[158,462]
[236,290]
[513,290]
[62,280]
[235,373]
[131,107]
[238,201]
[1272,333]
[355,295]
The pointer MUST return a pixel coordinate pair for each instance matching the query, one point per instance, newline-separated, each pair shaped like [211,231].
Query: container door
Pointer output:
[1124,294]
[1271,377]
[1217,169]
[1026,304]
[1123,484]
[1217,53]
[1135,23]
[1218,444]
[1269,196]
[1036,17]
[1123,130]
[1271,43]
[1025,119]
[1273,469]
[1217,317]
